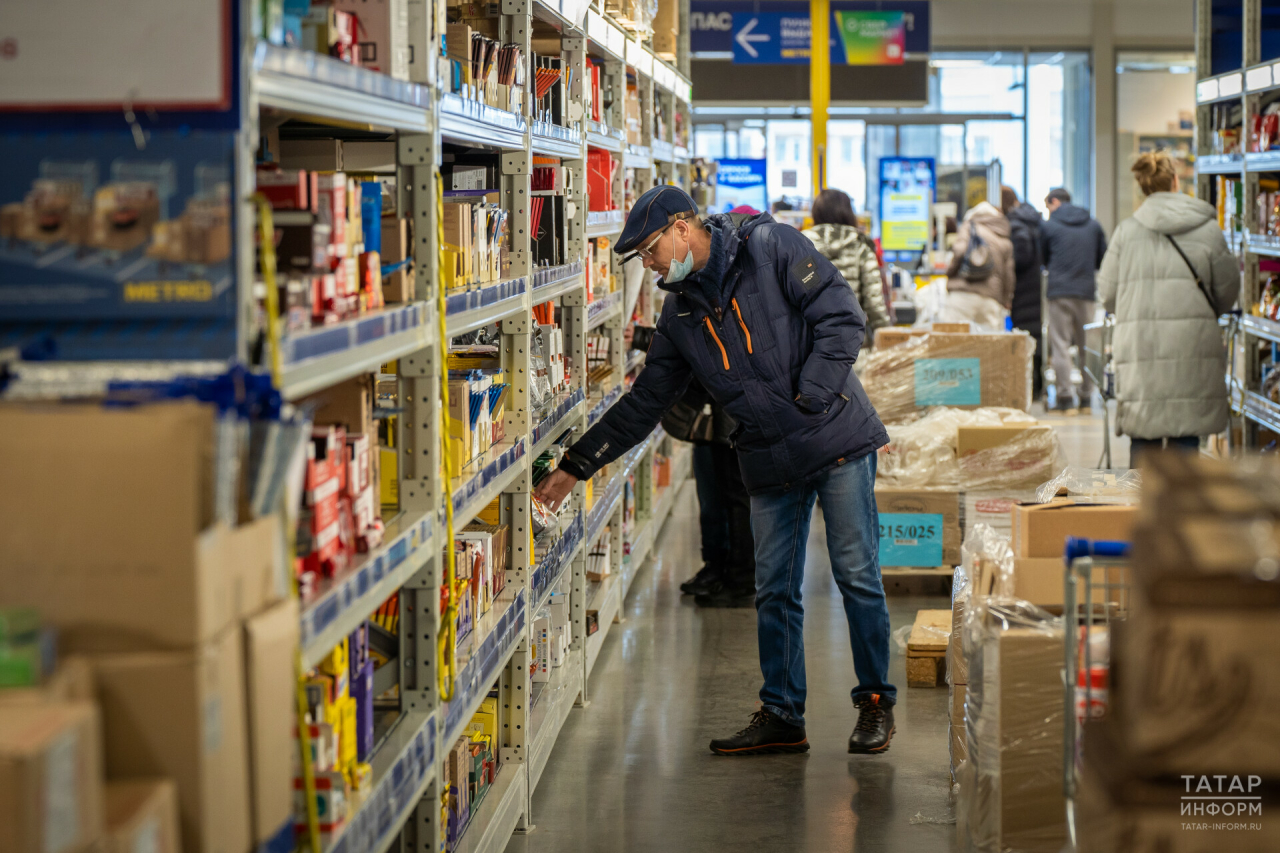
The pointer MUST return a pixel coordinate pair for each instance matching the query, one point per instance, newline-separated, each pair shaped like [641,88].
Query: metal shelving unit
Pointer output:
[1248,86]
[321,98]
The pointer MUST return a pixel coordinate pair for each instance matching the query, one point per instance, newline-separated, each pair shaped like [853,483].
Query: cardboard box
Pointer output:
[397,287]
[919,527]
[1195,689]
[891,336]
[1120,808]
[72,681]
[324,155]
[348,404]
[993,508]
[972,439]
[1041,530]
[1014,734]
[961,371]
[271,639]
[181,715]
[50,777]
[142,816]
[153,571]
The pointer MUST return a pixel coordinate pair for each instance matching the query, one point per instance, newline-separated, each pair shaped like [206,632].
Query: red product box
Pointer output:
[328,557]
[358,456]
[287,189]
[331,205]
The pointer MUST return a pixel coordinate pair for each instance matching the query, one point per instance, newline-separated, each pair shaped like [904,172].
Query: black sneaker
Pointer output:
[875,725]
[707,580]
[765,734]
[728,596]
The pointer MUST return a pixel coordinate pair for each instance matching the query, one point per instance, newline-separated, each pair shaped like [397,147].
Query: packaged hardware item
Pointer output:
[962,371]
[51,776]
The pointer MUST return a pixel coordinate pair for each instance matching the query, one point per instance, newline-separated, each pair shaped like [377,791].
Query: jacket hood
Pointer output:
[1173,213]
[1027,214]
[988,216]
[1070,214]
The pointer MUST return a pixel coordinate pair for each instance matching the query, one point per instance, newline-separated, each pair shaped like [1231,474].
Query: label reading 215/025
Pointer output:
[911,539]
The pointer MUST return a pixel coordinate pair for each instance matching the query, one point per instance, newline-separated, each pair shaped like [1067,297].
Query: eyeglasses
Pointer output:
[647,252]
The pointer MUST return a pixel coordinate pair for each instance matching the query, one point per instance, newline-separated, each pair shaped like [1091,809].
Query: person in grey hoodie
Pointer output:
[1073,245]
[1167,277]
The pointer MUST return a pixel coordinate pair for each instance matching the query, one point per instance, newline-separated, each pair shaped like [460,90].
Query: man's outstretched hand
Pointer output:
[552,490]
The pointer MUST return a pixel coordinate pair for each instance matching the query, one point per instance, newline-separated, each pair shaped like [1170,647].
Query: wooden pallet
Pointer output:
[927,649]
[916,581]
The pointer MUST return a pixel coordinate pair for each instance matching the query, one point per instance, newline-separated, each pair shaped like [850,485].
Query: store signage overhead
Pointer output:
[858,38]
[713,28]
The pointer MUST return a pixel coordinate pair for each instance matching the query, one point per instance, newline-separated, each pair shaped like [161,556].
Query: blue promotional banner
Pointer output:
[948,382]
[713,28]
[911,539]
[110,251]
[741,182]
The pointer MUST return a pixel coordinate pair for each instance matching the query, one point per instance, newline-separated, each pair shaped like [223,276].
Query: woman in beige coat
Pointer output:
[1170,360]
[981,278]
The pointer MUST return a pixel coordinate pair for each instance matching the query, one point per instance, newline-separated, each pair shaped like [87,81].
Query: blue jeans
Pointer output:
[780,521]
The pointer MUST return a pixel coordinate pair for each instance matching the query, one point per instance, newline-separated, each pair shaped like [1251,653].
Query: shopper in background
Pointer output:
[1167,277]
[727,576]
[980,278]
[836,234]
[771,330]
[1024,227]
[1073,248]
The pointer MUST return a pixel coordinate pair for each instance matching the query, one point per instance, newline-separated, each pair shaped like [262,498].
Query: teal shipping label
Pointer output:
[949,382]
[911,539]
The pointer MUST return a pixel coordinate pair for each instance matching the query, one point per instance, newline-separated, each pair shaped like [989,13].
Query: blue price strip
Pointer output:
[911,539]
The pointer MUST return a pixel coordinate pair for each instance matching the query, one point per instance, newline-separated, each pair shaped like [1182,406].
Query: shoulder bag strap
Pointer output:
[1199,283]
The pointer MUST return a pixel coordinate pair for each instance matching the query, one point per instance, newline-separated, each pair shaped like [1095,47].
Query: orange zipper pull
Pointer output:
[723,354]
[743,324]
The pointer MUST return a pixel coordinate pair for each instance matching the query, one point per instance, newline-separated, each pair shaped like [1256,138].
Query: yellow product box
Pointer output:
[489,515]
[347,751]
[388,477]
[337,664]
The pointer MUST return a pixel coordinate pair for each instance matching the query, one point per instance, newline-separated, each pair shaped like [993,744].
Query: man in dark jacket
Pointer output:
[727,576]
[1073,248]
[1024,223]
[771,330]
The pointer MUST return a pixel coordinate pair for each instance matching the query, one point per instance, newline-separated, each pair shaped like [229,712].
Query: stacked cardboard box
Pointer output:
[1194,683]
[943,369]
[155,594]
[919,528]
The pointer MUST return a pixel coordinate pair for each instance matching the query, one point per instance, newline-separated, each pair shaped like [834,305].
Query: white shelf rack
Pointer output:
[326,355]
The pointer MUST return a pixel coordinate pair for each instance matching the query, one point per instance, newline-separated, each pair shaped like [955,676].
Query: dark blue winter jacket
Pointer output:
[1073,245]
[773,341]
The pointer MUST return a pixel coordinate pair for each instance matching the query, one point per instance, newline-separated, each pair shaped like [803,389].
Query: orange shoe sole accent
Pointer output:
[764,748]
[883,748]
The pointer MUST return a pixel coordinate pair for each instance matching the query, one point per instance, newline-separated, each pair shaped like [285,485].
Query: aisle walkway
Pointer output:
[632,772]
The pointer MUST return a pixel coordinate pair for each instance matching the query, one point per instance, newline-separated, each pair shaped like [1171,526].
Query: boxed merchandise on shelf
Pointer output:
[480,68]
[382,34]
[599,559]
[51,777]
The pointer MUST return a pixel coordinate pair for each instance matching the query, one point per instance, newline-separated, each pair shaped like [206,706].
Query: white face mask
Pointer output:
[678,269]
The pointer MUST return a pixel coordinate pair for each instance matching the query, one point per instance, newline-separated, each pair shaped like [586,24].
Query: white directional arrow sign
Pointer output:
[745,38]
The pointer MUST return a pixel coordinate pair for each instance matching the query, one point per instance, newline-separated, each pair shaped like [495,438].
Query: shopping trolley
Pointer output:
[1096,362]
[1096,594]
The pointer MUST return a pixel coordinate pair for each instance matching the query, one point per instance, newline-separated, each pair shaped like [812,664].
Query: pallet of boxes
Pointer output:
[1185,756]
[147,639]
[962,448]
[1004,666]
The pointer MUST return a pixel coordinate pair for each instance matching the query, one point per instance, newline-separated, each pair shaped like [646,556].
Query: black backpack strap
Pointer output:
[1199,282]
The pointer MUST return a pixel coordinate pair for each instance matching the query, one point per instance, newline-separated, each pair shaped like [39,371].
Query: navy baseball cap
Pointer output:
[653,211]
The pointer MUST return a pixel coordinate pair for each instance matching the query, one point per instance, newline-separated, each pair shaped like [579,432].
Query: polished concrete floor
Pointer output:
[632,772]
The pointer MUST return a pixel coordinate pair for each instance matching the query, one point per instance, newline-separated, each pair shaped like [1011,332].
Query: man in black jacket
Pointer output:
[769,327]
[1073,248]
[1025,222]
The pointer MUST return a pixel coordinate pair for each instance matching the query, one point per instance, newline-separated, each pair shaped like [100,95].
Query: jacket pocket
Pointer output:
[755,316]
